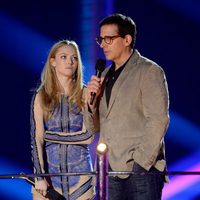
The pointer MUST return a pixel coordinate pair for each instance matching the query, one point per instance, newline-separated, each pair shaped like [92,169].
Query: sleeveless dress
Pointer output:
[66,147]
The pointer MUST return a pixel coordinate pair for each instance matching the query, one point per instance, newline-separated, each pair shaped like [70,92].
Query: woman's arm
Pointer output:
[37,142]
[37,134]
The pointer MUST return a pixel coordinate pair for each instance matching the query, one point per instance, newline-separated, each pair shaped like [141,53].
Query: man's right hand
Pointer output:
[94,85]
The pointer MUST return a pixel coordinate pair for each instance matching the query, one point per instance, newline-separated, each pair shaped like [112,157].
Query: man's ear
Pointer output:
[52,61]
[128,39]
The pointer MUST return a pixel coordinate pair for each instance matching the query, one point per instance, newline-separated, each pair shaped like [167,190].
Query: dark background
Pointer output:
[167,32]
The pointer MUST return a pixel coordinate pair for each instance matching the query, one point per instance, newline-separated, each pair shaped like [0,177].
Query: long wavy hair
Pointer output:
[50,88]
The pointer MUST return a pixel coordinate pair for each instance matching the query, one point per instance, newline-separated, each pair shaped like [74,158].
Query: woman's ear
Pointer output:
[128,39]
[52,61]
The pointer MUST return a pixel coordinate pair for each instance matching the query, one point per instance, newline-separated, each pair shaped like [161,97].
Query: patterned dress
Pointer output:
[66,147]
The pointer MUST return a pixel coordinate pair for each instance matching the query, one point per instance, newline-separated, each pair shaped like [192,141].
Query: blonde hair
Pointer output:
[49,88]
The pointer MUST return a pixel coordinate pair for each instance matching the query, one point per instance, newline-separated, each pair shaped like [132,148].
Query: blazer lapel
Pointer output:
[120,80]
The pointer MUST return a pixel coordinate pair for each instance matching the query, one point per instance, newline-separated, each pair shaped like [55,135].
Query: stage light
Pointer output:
[102,148]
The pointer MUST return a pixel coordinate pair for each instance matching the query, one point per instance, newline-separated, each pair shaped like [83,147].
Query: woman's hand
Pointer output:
[41,187]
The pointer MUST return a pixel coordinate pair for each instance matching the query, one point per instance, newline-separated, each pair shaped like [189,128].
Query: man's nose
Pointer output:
[103,44]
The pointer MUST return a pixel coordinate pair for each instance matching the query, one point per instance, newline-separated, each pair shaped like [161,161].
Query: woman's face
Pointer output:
[65,61]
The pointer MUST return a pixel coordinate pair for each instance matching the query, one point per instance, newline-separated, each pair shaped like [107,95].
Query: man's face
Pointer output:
[115,50]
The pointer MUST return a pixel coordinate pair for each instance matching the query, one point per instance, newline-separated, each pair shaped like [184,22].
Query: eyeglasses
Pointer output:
[107,39]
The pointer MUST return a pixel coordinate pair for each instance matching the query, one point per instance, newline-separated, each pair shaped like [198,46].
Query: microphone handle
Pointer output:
[93,94]
[98,74]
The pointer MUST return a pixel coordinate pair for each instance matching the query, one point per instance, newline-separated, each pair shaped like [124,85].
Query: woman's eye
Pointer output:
[74,58]
[63,57]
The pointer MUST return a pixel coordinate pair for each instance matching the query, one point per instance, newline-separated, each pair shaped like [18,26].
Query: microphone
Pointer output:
[100,66]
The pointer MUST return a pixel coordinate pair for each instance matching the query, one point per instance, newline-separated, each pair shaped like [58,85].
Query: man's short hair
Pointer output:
[125,25]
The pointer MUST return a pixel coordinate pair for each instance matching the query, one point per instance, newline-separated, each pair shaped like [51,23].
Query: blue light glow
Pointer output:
[23,45]
[13,188]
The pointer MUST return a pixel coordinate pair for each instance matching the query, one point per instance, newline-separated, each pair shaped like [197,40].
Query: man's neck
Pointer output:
[123,59]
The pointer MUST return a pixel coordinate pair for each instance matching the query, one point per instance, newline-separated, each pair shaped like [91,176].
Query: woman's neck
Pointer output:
[65,85]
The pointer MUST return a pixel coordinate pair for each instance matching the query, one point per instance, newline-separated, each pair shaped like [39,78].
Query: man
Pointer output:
[131,109]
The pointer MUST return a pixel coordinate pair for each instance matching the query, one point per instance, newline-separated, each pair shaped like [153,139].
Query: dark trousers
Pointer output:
[136,187]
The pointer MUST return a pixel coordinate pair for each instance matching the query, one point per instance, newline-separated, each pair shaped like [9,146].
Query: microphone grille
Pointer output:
[100,65]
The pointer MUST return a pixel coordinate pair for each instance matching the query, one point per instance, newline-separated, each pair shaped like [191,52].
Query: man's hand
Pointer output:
[94,85]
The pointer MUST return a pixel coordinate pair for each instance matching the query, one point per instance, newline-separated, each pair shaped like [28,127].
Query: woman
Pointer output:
[58,135]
